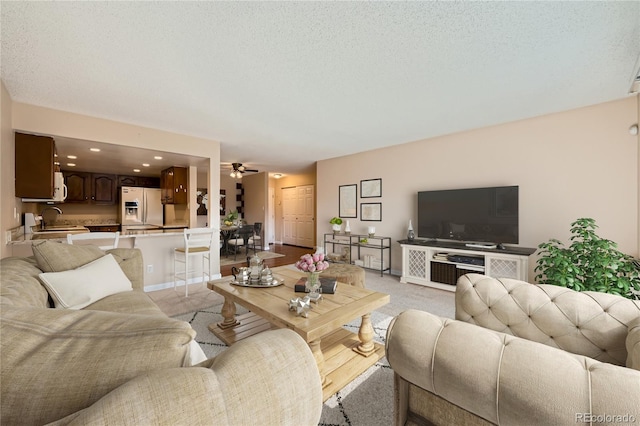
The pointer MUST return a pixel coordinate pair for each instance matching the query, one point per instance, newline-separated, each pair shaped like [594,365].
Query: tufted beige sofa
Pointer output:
[121,360]
[518,354]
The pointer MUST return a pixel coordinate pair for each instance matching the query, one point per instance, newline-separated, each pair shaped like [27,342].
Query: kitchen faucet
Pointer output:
[57,209]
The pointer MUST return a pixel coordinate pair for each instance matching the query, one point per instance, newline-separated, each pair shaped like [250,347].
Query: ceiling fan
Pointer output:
[239,169]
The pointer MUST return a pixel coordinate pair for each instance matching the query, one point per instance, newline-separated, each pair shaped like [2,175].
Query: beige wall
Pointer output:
[579,163]
[256,191]
[7,160]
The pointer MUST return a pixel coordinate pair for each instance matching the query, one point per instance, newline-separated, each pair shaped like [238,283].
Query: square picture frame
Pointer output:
[371,212]
[371,188]
[348,201]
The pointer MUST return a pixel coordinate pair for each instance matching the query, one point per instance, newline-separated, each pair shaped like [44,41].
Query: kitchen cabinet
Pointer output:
[143,181]
[34,161]
[78,186]
[103,228]
[174,185]
[91,188]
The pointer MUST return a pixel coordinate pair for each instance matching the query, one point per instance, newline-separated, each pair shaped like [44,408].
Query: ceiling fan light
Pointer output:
[241,168]
[233,174]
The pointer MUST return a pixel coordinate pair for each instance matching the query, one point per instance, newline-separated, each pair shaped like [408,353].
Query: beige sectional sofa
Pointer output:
[120,360]
[518,354]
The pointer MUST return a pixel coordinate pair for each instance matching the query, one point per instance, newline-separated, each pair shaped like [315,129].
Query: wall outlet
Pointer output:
[150,269]
[7,237]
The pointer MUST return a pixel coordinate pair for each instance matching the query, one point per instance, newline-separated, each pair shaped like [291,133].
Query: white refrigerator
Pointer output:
[141,210]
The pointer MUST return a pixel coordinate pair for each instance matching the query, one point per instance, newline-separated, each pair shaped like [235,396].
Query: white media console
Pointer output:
[439,264]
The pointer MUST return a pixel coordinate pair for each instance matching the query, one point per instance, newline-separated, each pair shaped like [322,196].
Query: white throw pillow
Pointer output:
[87,284]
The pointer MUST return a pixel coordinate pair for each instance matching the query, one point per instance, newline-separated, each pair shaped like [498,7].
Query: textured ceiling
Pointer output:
[283,84]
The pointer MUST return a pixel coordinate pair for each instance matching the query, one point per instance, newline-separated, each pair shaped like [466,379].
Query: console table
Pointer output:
[375,244]
[426,262]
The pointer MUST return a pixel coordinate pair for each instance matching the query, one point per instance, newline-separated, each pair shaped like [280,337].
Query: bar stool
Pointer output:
[197,243]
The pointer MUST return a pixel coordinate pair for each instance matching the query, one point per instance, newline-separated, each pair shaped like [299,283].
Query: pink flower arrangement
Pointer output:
[312,263]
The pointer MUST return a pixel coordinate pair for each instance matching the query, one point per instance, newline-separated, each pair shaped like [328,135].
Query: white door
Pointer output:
[289,215]
[306,216]
[298,208]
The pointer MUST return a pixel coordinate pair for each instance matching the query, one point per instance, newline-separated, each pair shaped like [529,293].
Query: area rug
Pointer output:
[368,400]
[242,257]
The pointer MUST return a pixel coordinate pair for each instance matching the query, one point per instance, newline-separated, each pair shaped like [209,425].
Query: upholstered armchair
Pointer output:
[518,353]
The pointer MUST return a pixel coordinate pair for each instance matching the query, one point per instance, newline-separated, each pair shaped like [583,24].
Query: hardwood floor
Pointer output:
[291,255]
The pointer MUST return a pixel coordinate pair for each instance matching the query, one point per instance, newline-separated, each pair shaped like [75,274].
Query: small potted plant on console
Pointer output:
[336,224]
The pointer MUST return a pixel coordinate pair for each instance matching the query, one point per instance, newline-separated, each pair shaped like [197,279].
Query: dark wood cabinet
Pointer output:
[34,157]
[127,180]
[149,181]
[103,189]
[144,181]
[103,228]
[91,188]
[78,186]
[174,185]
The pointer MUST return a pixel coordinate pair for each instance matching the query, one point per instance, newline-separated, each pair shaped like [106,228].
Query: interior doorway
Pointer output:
[298,212]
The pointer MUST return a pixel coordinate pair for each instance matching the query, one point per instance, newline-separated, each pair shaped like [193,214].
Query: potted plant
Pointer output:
[590,263]
[231,218]
[336,223]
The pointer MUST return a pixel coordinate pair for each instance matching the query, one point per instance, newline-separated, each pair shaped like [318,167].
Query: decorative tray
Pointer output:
[275,283]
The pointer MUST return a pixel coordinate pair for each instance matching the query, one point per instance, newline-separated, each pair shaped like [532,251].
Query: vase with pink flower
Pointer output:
[313,265]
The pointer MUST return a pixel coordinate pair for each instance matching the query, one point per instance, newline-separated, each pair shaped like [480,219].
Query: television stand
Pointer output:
[439,264]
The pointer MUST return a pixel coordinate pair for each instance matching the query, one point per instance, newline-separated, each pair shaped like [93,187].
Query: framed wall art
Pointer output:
[371,212]
[370,188]
[202,200]
[347,200]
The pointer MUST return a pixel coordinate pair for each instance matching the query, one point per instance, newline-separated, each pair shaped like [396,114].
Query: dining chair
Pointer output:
[256,238]
[240,239]
[111,237]
[198,243]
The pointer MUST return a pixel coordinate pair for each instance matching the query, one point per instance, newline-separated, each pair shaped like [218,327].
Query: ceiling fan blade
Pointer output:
[251,170]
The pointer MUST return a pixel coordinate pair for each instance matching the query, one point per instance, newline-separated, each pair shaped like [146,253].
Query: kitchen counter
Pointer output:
[21,238]
[157,249]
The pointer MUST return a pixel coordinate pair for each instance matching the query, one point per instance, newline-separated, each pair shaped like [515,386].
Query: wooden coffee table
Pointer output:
[340,354]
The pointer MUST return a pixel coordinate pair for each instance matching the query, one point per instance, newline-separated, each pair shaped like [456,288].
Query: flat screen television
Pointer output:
[482,215]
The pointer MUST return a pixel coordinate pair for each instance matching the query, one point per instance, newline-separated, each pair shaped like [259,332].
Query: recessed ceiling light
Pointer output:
[277,175]
[71,164]
[157,157]
[94,149]
[71,157]
[136,170]
[145,164]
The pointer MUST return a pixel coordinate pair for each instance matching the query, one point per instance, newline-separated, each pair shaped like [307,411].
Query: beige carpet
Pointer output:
[173,302]
[242,257]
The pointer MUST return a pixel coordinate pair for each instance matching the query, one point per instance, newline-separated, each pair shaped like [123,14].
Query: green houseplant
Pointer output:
[231,218]
[336,223]
[590,263]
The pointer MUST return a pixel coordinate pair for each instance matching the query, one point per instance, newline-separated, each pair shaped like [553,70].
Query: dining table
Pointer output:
[226,232]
